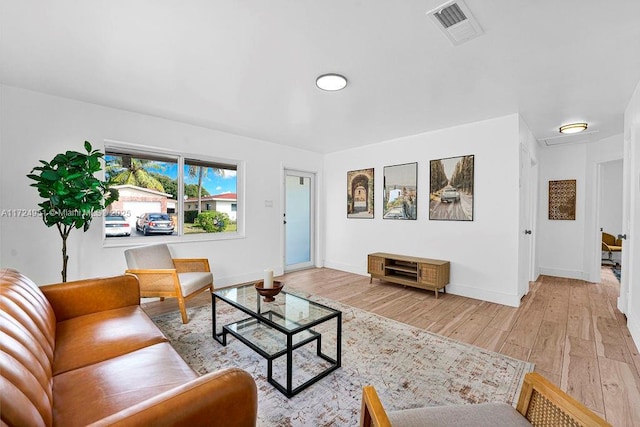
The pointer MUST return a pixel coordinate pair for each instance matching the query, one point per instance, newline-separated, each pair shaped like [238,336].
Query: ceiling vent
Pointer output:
[455,20]
[576,138]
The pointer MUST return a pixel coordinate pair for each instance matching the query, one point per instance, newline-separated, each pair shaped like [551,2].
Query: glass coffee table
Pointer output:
[275,329]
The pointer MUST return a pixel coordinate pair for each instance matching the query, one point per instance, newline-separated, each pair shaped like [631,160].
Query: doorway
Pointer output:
[299,214]
[610,208]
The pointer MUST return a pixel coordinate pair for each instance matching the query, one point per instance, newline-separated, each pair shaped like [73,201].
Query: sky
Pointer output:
[214,184]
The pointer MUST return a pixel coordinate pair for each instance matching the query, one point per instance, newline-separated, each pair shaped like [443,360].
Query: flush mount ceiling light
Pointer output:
[573,128]
[331,82]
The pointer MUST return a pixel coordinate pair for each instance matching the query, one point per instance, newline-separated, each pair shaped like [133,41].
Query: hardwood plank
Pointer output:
[621,393]
[580,322]
[635,355]
[526,329]
[505,318]
[579,347]
[489,309]
[452,320]
[548,350]
[470,330]
[579,295]
[602,308]
[607,333]
[556,310]
[491,339]
[515,351]
[583,381]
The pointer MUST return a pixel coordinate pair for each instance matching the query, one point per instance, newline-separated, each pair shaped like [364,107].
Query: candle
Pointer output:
[268,279]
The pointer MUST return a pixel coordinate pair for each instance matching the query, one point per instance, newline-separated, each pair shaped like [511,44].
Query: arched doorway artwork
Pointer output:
[360,193]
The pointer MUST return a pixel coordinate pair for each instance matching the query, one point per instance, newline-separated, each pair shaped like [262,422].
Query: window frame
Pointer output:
[165,154]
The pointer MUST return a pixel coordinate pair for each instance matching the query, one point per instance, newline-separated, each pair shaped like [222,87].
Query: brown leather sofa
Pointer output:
[84,353]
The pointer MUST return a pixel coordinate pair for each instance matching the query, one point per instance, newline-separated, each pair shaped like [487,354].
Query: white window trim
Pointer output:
[180,158]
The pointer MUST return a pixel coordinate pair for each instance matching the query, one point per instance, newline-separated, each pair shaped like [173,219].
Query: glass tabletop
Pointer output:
[288,311]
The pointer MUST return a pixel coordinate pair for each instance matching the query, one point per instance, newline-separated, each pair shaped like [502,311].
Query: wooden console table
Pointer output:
[425,273]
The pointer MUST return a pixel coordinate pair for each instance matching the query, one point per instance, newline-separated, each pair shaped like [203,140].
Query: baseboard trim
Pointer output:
[484,295]
[345,267]
[633,324]
[567,274]
[225,282]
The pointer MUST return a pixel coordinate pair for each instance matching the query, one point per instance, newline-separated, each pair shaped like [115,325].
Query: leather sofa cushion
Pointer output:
[92,338]
[27,337]
[115,384]
[480,415]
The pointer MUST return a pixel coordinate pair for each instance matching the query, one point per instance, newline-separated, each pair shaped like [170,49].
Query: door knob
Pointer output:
[622,236]
[527,231]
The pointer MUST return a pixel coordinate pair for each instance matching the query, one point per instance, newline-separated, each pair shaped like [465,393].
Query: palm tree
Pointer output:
[198,171]
[128,170]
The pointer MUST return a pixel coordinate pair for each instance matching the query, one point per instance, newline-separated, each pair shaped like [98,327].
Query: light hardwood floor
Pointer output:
[570,329]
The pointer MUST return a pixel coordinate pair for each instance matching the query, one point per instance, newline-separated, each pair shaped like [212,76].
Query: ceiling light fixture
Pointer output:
[331,82]
[573,128]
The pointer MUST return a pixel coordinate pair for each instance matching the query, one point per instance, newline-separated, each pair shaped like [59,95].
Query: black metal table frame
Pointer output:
[254,318]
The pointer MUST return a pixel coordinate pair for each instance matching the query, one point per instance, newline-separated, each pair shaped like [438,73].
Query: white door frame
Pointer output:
[526,221]
[312,219]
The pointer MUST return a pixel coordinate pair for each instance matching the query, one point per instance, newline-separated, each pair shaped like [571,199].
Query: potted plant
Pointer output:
[73,195]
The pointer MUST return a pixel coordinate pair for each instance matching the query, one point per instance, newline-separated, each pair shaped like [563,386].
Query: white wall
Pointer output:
[630,290]
[483,252]
[35,126]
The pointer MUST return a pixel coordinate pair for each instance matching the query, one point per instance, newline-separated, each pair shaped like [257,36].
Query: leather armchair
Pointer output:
[162,276]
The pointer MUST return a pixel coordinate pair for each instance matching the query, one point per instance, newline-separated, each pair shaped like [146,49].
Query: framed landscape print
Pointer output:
[400,197]
[451,189]
[360,193]
[562,199]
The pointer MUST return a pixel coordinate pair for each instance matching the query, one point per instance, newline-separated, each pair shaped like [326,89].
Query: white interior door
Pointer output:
[299,220]
[628,182]
[525,240]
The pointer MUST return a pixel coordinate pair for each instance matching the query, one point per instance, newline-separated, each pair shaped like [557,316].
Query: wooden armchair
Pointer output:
[162,276]
[541,403]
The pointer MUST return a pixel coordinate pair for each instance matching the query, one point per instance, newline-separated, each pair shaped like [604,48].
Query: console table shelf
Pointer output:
[424,273]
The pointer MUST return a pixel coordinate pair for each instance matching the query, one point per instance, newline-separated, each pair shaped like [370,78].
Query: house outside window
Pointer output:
[196,193]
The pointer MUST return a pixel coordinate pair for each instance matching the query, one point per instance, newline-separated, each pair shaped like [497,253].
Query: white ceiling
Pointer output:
[249,66]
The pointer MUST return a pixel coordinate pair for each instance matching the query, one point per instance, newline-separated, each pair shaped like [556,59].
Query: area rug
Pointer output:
[409,367]
[616,272]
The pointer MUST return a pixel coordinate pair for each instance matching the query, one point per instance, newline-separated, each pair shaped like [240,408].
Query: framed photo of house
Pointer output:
[451,189]
[562,199]
[400,196]
[360,193]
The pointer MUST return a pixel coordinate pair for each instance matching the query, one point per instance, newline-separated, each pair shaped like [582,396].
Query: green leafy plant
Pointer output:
[212,221]
[73,195]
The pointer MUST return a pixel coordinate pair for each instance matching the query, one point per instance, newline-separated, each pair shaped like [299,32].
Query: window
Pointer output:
[172,194]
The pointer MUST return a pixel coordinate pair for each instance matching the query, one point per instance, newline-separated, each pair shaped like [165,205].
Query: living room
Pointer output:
[45,117]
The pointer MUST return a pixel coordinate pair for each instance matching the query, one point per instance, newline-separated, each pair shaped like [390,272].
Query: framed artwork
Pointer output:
[562,199]
[400,197]
[360,193]
[451,189]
